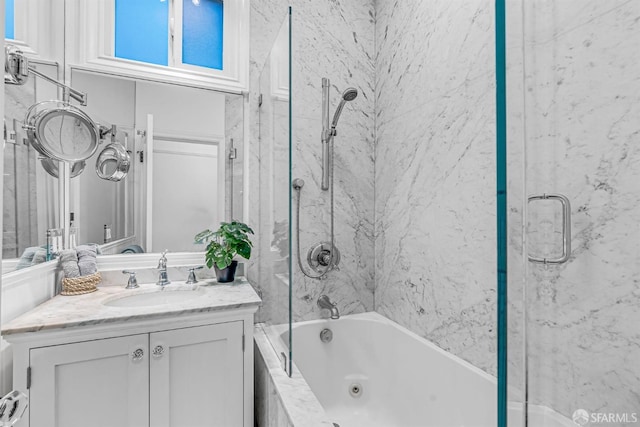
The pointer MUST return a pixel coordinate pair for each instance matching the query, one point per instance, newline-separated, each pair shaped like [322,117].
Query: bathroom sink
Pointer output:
[159,297]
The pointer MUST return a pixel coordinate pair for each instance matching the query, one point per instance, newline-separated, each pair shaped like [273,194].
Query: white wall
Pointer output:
[180,110]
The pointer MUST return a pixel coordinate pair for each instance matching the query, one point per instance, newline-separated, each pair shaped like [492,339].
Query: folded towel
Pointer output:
[87,266]
[69,262]
[87,259]
[39,257]
[86,250]
[26,257]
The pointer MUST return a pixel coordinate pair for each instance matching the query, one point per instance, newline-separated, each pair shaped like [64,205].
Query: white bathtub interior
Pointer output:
[375,373]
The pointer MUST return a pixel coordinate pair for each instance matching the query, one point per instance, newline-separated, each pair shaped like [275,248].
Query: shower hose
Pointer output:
[329,267]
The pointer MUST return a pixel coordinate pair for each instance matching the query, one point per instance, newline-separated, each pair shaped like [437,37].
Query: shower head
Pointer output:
[348,95]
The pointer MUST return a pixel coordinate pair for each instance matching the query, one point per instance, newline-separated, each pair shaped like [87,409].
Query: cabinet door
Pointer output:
[197,376]
[102,383]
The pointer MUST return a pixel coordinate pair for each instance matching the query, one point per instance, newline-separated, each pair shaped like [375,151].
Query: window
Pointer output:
[9,19]
[170,32]
[142,31]
[201,43]
[202,32]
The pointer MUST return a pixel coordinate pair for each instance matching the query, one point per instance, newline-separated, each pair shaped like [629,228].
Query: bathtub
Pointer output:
[375,373]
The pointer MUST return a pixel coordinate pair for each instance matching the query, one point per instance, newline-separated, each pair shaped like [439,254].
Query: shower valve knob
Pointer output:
[322,256]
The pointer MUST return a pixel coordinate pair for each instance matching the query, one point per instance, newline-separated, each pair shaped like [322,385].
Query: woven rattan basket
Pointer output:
[80,285]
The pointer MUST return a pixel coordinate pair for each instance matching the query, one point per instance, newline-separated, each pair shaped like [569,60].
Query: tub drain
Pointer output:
[355,390]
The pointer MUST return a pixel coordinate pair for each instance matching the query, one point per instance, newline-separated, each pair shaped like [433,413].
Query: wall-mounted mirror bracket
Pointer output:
[17,69]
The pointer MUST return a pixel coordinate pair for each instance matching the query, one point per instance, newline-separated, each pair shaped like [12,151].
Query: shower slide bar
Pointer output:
[566,229]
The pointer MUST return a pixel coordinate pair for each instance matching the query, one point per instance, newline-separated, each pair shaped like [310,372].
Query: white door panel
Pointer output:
[197,376]
[94,383]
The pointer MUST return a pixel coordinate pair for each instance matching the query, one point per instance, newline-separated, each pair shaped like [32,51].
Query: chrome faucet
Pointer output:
[325,302]
[163,278]
[192,280]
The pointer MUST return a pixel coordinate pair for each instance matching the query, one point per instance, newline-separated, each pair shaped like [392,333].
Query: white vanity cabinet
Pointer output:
[193,370]
[105,381]
[196,376]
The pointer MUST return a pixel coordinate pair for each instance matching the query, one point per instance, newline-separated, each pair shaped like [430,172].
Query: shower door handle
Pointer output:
[566,229]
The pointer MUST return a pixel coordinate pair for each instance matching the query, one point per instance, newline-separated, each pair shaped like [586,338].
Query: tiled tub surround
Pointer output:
[409,382]
[435,240]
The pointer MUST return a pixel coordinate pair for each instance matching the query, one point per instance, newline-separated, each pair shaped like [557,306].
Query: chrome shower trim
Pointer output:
[326,133]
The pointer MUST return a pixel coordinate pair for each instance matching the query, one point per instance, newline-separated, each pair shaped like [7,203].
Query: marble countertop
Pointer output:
[93,309]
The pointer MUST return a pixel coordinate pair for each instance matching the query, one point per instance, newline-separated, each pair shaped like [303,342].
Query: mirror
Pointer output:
[30,193]
[184,170]
[176,137]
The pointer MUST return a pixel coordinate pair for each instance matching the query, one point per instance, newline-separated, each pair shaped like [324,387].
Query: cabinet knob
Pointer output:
[137,355]
[158,351]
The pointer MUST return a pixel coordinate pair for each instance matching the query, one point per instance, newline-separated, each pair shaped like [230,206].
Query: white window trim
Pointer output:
[36,33]
[90,23]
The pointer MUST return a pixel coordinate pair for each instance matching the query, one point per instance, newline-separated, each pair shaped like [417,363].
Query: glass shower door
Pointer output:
[579,114]
[274,228]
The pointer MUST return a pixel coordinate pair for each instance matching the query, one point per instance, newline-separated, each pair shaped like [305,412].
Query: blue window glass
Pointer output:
[9,20]
[142,30]
[202,33]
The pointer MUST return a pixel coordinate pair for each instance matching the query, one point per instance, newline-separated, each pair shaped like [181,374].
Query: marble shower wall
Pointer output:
[20,229]
[435,239]
[333,39]
[583,140]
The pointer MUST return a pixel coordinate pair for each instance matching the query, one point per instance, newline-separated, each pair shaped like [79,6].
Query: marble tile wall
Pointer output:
[331,39]
[20,214]
[234,132]
[281,400]
[583,140]
[435,173]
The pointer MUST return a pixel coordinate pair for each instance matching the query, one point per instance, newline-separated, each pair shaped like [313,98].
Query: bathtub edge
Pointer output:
[295,398]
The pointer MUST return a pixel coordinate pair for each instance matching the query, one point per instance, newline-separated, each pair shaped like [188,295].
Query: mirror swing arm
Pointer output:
[17,69]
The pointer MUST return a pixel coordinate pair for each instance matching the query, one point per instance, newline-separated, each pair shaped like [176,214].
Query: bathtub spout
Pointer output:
[325,302]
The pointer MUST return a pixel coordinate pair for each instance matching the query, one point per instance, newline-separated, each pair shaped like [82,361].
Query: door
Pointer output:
[184,185]
[578,113]
[101,383]
[197,376]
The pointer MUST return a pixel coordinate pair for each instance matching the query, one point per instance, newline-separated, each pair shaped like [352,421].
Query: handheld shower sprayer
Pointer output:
[348,95]
[329,131]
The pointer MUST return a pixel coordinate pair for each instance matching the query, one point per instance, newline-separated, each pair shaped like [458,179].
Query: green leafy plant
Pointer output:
[229,240]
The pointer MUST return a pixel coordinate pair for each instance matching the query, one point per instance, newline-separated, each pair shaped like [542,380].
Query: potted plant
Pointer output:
[223,245]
